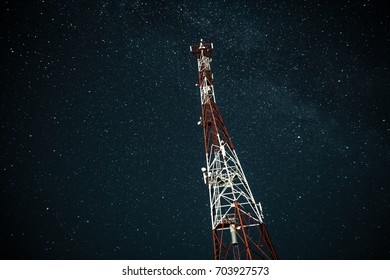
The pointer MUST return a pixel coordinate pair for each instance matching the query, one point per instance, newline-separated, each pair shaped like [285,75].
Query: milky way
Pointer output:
[100,148]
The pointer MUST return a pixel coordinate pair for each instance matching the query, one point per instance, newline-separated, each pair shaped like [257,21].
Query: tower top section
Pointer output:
[202,49]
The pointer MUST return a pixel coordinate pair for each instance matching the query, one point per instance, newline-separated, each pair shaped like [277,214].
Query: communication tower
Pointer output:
[237,221]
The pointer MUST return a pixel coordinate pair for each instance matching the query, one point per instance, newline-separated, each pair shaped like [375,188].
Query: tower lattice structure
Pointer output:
[237,221]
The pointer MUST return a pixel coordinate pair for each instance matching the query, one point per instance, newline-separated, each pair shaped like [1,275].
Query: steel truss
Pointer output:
[237,222]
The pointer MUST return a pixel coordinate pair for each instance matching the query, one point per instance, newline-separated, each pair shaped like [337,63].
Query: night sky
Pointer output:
[100,148]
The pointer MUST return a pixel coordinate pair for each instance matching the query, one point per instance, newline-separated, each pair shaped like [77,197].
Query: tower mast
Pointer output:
[237,222]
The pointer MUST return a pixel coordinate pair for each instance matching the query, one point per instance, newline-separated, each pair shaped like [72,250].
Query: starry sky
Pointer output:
[100,148]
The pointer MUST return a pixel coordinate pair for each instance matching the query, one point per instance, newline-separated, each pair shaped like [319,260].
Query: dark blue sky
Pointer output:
[101,154]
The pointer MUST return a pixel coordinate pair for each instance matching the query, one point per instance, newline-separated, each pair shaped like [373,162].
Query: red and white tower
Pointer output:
[237,222]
